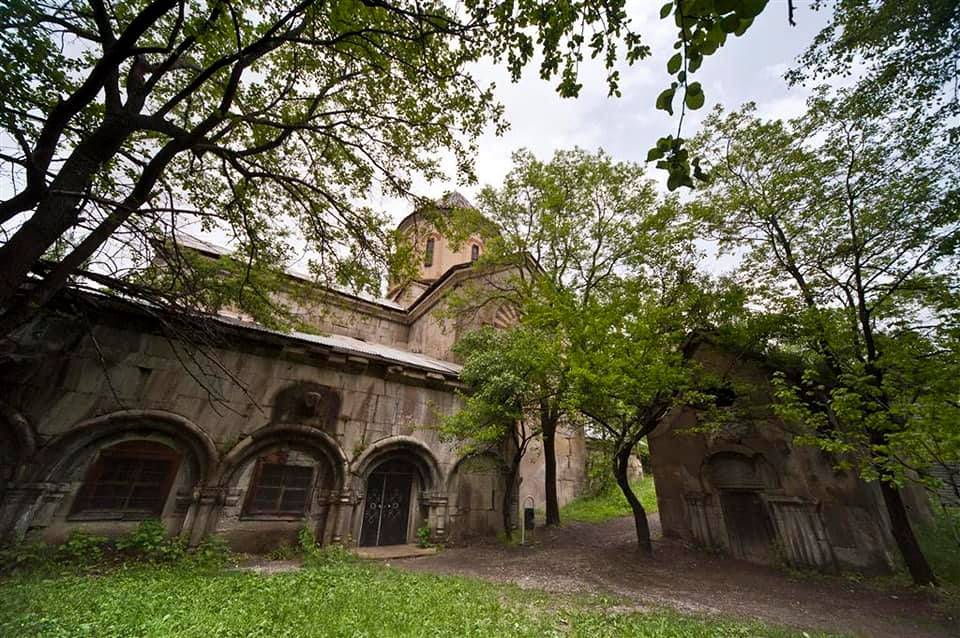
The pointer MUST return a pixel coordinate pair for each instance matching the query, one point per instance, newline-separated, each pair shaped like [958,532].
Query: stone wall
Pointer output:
[748,490]
[78,383]
[571,468]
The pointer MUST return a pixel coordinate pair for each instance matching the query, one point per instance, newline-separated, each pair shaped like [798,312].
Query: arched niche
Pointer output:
[276,481]
[740,479]
[136,451]
[475,491]
[398,479]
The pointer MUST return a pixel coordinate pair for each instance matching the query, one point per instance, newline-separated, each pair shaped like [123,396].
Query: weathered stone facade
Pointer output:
[109,416]
[748,490]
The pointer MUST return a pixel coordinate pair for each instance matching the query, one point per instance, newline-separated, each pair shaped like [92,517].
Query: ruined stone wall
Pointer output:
[82,384]
[714,487]
[571,468]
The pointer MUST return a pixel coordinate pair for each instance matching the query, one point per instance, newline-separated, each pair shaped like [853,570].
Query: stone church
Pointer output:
[108,417]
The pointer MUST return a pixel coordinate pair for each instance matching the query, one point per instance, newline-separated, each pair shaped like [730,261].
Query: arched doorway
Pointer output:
[388,506]
[740,481]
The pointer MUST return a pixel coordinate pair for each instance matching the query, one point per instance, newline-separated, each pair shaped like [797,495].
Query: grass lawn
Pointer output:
[612,504]
[329,598]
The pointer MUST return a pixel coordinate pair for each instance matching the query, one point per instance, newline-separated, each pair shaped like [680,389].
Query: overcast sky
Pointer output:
[746,69]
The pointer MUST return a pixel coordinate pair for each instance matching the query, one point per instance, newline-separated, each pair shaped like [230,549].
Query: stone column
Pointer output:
[208,500]
[437,515]
[343,514]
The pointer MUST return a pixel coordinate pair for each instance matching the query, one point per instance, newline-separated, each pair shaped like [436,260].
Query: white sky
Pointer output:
[746,69]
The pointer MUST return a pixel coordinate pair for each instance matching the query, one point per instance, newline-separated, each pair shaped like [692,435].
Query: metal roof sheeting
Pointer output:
[350,345]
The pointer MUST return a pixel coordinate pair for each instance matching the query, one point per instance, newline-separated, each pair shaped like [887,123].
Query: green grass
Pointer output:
[332,599]
[611,504]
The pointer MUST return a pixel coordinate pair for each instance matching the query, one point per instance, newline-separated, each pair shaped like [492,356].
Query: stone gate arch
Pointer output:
[401,488]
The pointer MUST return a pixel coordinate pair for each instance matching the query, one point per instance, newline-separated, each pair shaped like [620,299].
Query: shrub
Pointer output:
[284,551]
[307,540]
[82,549]
[151,543]
[27,556]
[329,556]
[423,536]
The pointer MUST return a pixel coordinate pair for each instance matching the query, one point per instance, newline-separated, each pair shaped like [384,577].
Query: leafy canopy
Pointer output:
[848,228]
[270,120]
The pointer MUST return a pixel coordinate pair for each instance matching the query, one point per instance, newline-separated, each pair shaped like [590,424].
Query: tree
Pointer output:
[563,229]
[506,373]
[848,228]
[631,348]
[629,369]
[903,51]
[265,119]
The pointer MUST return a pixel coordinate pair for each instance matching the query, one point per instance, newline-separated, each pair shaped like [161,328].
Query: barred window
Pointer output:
[474,252]
[131,478]
[279,489]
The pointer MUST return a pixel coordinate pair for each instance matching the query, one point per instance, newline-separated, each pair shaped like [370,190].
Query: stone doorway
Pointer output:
[748,526]
[386,511]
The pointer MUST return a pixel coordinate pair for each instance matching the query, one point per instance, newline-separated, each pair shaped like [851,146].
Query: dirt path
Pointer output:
[583,558]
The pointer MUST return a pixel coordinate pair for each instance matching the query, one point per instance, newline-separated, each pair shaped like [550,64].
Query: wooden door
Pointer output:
[748,526]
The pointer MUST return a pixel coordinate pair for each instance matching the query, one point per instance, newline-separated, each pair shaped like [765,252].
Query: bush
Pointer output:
[307,540]
[423,536]
[284,551]
[151,543]
[941,544]
[600,479]
[27,556]
[82,549]
[330,556]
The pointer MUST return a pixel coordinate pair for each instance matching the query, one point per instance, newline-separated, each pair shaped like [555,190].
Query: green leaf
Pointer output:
[665,101]
[744,25]
[665,10]
[750,8]
[654,154]
[694,63]
[694,96]
[673,65]
[674,181]
[730,23]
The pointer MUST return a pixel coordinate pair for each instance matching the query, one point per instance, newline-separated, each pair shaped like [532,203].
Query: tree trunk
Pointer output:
[58,211]
[509,496]
[621,469]
[913,556]
[550,471]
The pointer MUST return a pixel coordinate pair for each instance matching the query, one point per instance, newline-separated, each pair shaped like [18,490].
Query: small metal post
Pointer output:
[523,519]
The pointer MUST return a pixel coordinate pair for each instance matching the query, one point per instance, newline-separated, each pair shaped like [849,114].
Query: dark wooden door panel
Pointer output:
[370,527]
[748,526]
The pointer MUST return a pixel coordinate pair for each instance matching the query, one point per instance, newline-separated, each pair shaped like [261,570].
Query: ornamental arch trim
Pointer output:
[272,436]
[408,447]
[99,432]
